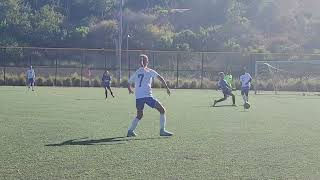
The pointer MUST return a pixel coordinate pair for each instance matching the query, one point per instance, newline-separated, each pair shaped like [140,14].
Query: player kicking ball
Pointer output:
[226,90]
[245,80]
[106,80]
[143,78]
[31,77]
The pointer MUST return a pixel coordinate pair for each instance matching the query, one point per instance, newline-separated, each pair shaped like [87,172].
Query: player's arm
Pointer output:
[164,83]
[130,83]
[250,79]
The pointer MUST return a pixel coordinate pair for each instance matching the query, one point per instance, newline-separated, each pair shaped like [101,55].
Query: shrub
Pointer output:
[40,81]
[75,79]
[185,85]
[156,84]
[49,81]
[85,82]
[21,80]
[96,82]
[170,84]
[193,84]
[124,83]
[11,80]
[67,82]
[114,83]
[59,81]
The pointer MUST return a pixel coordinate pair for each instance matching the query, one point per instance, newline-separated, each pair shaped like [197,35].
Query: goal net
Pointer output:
[287,76]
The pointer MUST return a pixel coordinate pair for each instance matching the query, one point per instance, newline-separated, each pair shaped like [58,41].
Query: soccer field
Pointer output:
[74,133]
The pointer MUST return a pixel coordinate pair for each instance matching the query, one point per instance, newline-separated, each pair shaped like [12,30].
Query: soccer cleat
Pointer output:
[234,105]
[165,133]
[215,102]
[131,134]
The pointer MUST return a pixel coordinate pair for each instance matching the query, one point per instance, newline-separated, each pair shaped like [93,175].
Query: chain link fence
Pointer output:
[84,67]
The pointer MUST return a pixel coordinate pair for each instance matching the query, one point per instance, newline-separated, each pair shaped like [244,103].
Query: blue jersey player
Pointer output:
[106,81]
[142,79]
[226,90]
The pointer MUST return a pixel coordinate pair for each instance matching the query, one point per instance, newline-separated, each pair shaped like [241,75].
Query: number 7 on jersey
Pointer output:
[141,76]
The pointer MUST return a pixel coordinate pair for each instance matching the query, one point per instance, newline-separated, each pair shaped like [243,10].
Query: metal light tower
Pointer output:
[120,41]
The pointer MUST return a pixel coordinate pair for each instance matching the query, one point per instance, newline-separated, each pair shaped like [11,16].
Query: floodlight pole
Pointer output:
[120,41]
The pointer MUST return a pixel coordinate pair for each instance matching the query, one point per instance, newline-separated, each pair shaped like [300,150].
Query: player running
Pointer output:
[228,77]
[31,77]
[143,78]
[226,90]
[106,80]
[245,80]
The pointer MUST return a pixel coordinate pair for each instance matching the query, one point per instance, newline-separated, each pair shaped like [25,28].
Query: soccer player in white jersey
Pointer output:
[31,77]
[143,78]
[245,80]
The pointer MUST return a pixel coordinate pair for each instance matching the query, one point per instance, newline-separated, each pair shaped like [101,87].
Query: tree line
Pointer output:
[188,25]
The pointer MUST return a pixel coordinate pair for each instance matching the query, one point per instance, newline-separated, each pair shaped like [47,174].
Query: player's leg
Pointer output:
[32,84]
[28,83]
[243,95]
[233,99]
[247,95]
[135,121]
[110,91]
[225,96]
[154,103]
[106,92]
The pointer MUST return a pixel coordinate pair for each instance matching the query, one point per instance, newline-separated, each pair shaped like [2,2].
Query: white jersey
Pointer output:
[245,80]
[31,74]
[143,79]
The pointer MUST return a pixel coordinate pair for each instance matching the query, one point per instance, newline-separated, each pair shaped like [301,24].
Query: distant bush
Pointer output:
[59,81]
[75,80]
[156,84]
[49,82]
[85,82]
[124,83]
[21,80]
[193,85]
[67,82]
[96,82]
[40,81]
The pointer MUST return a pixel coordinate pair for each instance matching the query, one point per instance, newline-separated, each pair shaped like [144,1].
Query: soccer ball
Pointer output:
[246,105]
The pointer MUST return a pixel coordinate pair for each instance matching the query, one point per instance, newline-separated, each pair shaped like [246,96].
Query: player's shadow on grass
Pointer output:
[223,106]
[105,141]
[87,99]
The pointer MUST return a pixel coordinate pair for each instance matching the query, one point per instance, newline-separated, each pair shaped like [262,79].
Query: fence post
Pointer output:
[4,66]
[56,71]
[202,73]
[82,60]
[105,60]
[177,83]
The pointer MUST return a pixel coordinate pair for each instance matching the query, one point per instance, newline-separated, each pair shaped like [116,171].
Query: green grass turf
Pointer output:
[73,133]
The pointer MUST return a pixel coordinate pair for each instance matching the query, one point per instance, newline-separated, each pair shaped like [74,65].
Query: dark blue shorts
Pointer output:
[150,101]
[106,85]
[30,80]
[227,93]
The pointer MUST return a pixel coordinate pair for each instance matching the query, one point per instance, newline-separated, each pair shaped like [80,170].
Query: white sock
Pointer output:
[162,121]
[134,124]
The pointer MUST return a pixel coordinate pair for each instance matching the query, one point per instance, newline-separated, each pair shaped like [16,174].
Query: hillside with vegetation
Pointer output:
[190,25]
